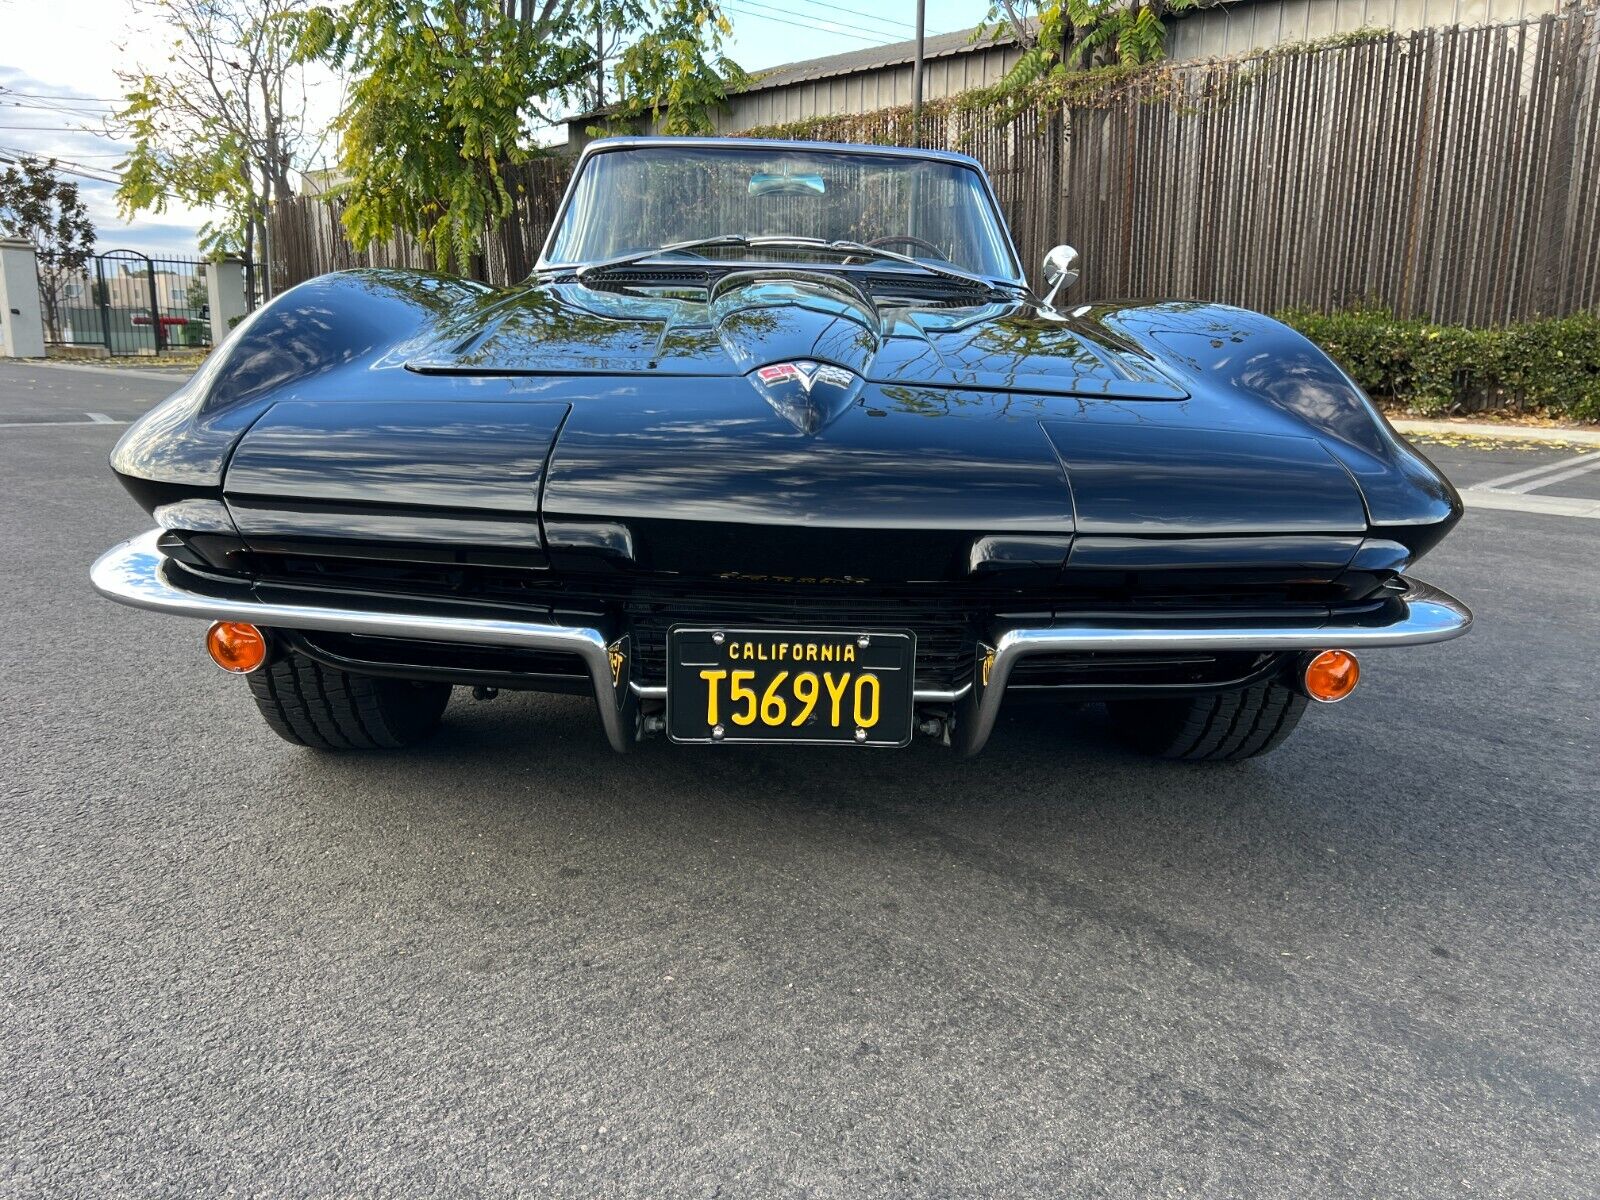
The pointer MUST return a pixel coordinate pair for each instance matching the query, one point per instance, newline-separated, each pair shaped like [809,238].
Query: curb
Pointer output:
[119,372]
[1511,433]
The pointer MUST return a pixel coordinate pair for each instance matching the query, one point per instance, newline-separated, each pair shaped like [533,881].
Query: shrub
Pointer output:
[1550,366]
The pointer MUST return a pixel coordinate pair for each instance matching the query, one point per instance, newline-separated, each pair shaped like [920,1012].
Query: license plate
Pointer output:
[765,685]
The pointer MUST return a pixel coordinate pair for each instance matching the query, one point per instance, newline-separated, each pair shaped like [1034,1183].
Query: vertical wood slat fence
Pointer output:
[1451,174]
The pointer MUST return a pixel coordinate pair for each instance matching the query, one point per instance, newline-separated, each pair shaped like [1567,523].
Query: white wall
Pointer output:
[21,319]
[1236,28]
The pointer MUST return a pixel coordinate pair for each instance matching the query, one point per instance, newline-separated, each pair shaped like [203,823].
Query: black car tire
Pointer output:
[1221,727]
[316,706]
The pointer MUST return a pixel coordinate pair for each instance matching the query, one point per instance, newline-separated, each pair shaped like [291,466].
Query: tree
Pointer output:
[446,91]
[223,124]
[678,75]
[37,204]
[1057,35]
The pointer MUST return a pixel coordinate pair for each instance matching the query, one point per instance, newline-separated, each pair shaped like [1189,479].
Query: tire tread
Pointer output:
[1219,727]
[312,705]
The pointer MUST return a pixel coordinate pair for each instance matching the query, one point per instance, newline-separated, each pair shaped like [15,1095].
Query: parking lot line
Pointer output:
[1546,480]
[1502,483]
[95,419]
[1556,506]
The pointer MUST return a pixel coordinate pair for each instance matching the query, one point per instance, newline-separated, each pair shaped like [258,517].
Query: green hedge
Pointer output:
[1550,366]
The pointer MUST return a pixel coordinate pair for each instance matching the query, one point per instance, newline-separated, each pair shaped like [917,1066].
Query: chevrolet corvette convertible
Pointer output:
[778,445]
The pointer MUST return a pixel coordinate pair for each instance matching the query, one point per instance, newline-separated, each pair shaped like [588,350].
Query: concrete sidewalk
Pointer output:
[1567,436]
[124,372]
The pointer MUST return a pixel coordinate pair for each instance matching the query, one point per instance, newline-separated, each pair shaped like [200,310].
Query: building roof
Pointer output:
[874,58]
[853,62]
[678,141]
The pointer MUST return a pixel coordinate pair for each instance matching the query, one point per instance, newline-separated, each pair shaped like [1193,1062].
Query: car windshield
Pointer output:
[640,197]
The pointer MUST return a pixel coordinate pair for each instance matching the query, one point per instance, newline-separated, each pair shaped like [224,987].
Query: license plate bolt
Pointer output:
[863,641]
[719,637]
[718,733]
[861,734]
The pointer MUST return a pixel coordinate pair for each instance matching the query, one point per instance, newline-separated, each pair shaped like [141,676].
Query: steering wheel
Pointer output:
[906,239]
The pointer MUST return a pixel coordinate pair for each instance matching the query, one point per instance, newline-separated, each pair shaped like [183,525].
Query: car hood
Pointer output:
[416,418]
[753,319]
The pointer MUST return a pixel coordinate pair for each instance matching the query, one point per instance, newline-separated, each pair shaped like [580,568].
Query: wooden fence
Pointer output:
[308,239]
[1452,174]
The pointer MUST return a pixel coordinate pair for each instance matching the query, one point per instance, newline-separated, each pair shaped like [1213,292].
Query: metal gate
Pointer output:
[127,303]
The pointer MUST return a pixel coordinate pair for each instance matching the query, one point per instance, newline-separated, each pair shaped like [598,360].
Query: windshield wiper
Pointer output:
[949,272]
[592,270]
[634,256]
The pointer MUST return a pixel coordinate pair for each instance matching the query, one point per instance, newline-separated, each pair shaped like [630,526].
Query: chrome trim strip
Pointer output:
[920,696]
[1425,615]
[134,573]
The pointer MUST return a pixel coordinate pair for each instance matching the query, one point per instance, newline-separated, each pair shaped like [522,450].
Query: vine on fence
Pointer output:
[1105,87]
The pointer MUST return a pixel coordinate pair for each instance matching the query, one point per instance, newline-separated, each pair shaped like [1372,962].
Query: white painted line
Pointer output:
[1555,506]
[1547,480]
[1560,464]
[55,424]
[100,419]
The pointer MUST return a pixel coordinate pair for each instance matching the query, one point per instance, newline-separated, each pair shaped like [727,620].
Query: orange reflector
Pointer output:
[235,646]
[1332,675]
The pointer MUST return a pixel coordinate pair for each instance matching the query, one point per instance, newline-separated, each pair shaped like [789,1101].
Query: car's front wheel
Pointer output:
[317,706]
[1220,727]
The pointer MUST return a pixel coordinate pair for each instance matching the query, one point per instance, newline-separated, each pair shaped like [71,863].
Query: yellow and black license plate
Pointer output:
[764,685]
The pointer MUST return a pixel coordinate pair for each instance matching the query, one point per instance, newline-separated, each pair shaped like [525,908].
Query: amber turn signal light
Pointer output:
[1331,675]
[235,646]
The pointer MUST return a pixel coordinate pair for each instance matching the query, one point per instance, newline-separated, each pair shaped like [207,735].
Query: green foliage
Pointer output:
[445,92]
[1551,365]
[42,207]
[676,72]
[1059,36]
[196,162]
[219,125]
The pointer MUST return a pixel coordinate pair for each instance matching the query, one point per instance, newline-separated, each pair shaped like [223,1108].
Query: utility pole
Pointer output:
[599,63]
[916,74]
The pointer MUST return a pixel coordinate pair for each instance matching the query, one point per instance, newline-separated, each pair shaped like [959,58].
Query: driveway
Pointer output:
[515,963]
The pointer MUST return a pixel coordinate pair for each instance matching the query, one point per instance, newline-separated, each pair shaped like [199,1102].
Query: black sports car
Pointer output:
[777,445]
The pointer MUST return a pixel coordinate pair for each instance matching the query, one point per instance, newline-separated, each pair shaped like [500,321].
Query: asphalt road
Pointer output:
[513,963]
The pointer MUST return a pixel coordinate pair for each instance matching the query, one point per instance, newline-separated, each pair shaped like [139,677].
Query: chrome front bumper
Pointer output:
[134,573]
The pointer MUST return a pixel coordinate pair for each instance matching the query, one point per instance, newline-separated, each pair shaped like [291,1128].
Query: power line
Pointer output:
[856,12]
[873,40]
[52,101]
[832,25]
[10,154]
[9,91]
[69,165]
[63,109]
[78,155]
[842,28]
[63,168]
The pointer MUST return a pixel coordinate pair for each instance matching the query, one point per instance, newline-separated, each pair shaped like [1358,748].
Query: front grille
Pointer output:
[1111,669]
[946,618]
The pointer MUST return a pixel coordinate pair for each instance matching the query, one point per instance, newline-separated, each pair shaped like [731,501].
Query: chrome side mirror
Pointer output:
[1060,271]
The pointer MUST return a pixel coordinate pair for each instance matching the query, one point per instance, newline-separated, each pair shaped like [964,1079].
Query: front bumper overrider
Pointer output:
[136,573]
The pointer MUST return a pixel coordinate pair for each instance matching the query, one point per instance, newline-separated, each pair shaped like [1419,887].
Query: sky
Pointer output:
[59,64]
